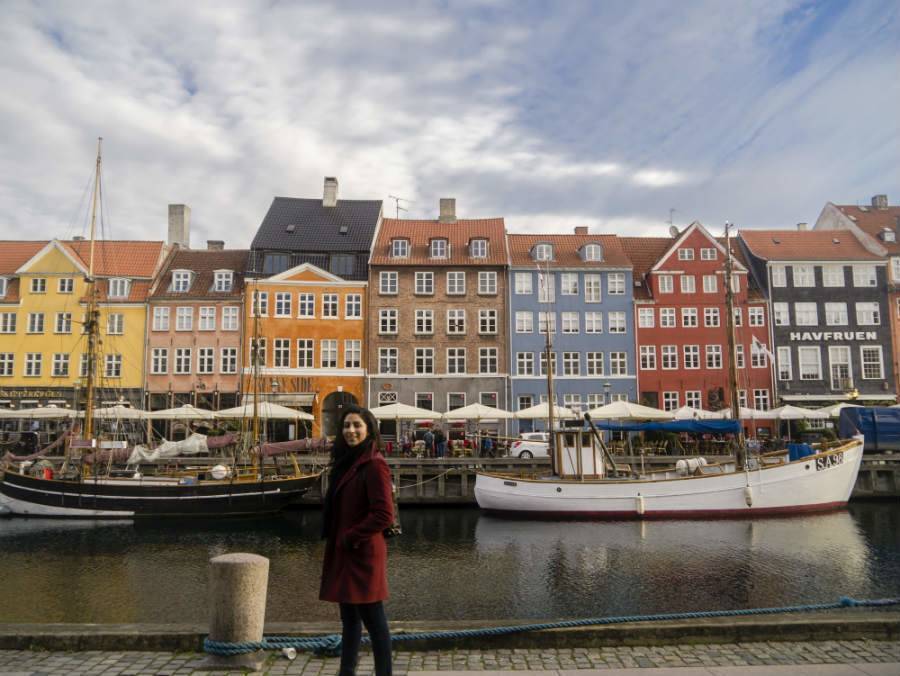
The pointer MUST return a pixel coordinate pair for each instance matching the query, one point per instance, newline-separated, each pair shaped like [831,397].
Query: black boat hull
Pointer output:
[136,498]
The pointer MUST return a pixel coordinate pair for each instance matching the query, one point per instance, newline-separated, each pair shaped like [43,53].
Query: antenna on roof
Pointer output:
[397,201]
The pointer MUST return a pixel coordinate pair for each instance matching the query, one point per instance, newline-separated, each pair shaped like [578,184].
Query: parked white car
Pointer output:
[531,445]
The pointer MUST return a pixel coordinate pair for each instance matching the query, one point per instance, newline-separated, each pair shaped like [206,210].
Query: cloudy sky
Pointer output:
[550,114]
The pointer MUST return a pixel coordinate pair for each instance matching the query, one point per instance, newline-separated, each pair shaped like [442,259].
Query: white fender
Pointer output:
[748,496]
[641,508]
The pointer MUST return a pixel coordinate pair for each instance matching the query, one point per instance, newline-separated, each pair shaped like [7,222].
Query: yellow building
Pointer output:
[42,310]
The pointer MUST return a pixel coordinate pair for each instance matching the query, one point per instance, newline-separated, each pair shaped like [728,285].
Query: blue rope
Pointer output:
[331,644]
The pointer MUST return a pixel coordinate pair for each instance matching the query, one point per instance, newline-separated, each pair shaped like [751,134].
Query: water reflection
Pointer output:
[454,564]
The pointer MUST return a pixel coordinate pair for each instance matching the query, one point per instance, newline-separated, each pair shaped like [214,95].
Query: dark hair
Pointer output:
[373,438]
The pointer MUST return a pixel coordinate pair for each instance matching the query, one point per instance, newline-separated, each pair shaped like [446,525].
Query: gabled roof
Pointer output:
[316,227]
[14,254]
[566,250]
[299,270]
[806,245]
[873,221]
[203,263]
[643,252]
[119,258]
[688,231]
[459,234]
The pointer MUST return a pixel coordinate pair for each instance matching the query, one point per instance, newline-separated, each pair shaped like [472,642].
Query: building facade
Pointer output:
[878,227]
[437,313]
[579,287]
[195,319]
[682,338]
[307,328]
[827,298]
[43,347]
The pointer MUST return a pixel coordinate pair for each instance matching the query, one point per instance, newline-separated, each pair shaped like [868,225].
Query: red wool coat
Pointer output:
[355,565]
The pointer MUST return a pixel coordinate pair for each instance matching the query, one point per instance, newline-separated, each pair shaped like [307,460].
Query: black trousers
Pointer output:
[353,616]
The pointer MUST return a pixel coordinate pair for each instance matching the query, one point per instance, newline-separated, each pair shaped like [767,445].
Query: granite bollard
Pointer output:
[237,607]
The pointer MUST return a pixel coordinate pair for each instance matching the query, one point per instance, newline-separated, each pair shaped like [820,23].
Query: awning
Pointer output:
[291,399]
[838,397]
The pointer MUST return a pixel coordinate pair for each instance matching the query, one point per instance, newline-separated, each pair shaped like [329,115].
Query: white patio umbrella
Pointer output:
[788,412]
[186,412]
[690,413]
[834,410]
[398,412]
[49,412]
[541,411]
[478,412]
[265,410]
[626,410]
[118,412]
[747,414]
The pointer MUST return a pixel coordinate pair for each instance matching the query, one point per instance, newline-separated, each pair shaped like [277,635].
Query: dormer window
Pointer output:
[593,252]
[4,282]
[439,248]
[181,281]
[543,252]
[478,248]
[888,235]
[223,281]
[400,248]
[119,287]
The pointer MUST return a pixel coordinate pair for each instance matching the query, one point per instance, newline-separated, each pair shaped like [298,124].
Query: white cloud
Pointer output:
[585,114]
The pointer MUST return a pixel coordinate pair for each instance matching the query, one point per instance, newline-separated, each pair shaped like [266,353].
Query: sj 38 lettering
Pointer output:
[829,461]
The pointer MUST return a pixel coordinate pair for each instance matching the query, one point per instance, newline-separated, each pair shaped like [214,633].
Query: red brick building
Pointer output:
[679,306]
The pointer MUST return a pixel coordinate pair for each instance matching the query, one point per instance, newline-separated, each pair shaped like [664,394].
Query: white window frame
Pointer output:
[400,248]
[306,305]
[456,283]
[228,360]
[648,357]
[479,248]
[424,283]
[784,368]
[666,283]
[353,306]
[593,322]
[424,322]
[685,254]
[115,324]
[331,306]
[688,284]
[206,319]
[710,284]
[231,318]
[284,304]
[804,276]
[646,318]
[306,353]
[487,283]
[223,281]
[388,283]
[388,317]
[615,284]
[181,281]
[524,284]
[439,248]
[456,322]
[833,276]
[206,360]
[862,362]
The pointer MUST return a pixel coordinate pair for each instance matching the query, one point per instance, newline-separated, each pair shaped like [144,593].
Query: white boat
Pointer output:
[586,482]
[768,485]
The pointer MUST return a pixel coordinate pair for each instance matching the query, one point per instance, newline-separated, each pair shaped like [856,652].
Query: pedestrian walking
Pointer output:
[358,506]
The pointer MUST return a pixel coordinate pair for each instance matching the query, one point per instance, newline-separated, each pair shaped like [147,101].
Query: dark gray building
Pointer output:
[831,332]
[332,234]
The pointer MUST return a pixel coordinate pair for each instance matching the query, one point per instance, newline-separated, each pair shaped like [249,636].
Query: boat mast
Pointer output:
[548,343]
[732,360]
[254,372]
[91,320]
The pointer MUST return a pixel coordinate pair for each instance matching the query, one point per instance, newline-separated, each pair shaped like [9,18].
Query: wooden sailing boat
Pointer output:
[215,492]
[585,480]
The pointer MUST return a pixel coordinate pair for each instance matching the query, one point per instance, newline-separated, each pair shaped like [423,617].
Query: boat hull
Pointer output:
[817,483]
[135,498]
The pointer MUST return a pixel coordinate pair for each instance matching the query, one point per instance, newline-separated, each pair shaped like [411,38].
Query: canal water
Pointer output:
[455,564]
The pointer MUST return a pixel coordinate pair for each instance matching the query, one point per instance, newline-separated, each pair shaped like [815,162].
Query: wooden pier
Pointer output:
[451,481]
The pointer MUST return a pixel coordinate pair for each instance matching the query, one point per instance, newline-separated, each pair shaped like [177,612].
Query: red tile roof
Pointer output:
[566,250]
[138,291]
[644,252]
[806,245]
[204,263]
[459,234]
[118,258]
[14,254]
[873,221]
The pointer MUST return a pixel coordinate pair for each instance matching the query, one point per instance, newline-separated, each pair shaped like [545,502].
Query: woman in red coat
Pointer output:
[358,506]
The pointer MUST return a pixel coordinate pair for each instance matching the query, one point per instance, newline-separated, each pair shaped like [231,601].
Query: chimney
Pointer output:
[880,202]
[180,225]
[330,196]
[448,210]
[802,226]
[581,230]
[215,244]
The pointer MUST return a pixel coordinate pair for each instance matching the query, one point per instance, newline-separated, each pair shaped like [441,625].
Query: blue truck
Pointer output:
[879,424]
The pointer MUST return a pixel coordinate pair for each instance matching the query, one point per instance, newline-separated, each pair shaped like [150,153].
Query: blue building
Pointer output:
[581,287]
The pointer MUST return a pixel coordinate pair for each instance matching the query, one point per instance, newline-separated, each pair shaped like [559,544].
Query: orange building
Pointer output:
[310,330]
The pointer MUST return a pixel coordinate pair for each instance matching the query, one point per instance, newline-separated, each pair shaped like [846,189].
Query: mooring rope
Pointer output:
[331,644]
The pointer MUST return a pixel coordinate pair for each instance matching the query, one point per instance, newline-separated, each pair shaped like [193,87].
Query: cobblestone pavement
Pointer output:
[876,658]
